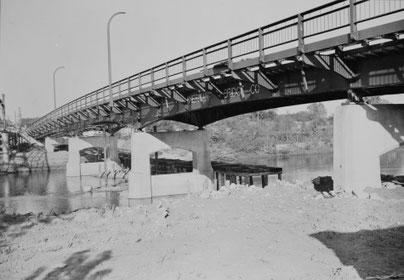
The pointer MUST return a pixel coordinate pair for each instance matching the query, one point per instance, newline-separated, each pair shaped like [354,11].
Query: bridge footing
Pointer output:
[75,167]
[142,185]
[361,134]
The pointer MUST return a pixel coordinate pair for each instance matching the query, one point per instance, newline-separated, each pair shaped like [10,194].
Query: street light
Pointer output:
[111,103]
[54,86]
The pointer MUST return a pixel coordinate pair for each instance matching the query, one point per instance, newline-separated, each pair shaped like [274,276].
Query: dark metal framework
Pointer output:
[343,48]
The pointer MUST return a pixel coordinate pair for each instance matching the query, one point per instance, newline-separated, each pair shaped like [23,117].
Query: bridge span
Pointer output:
[346,48]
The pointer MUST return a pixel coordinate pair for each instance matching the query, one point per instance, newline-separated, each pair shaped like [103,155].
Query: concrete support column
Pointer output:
[73,164]
[144,144]
[196,141]
[361,134]
[201,160]
[139,179]
[113,149]
[4,147]
[50,144]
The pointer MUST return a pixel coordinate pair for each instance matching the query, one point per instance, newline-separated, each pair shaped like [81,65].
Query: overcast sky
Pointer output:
[37,36]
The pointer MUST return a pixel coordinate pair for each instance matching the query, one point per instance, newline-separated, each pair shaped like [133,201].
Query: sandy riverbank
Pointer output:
[281,232]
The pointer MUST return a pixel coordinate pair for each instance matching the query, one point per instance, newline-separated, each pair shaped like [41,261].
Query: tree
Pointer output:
[302,116]
[265,115]
[285,123]
[317,111]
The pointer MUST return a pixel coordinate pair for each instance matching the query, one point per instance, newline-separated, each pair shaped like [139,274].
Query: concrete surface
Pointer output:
[361,134]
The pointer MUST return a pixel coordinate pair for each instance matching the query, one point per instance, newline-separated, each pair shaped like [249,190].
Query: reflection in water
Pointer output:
[302,168]
[392,163]
[52,191]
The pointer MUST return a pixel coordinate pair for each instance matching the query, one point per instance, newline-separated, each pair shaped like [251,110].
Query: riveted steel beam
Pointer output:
[92,113]
[331,63]
[131,105]
[178,96]
[82,115]
[103,111]
[257,77]
[151,101]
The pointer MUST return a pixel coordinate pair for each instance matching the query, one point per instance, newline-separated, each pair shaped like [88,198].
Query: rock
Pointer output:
[326,195]
[389,185]
[361,194]
[323,183]
[375,196]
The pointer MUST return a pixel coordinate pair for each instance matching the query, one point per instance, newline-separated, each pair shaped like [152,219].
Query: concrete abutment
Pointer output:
[362,133]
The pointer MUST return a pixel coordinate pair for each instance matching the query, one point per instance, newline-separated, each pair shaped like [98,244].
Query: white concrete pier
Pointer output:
[143,185]
[361,134]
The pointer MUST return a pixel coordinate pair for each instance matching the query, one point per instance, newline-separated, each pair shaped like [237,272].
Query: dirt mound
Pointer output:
[279,232]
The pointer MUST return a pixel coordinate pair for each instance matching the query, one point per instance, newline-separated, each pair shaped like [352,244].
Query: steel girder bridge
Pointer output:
[343,49]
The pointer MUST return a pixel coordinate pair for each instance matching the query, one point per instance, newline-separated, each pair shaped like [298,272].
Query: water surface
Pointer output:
[52,191]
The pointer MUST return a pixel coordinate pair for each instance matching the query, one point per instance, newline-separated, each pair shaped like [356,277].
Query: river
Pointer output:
[52,192]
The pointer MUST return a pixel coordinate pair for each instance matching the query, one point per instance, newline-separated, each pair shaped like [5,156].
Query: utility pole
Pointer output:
[111,101]
[20,117]
[3,107]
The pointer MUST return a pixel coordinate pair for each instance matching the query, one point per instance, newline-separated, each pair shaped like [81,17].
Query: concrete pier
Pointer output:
[361,134]
[142,185]
[75,167]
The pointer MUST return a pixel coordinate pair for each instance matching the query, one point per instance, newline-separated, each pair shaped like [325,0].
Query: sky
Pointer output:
[38,36]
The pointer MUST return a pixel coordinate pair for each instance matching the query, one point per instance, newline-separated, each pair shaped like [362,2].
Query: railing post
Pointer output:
[128,86]
[300,33]
[184,69]
[229,54]
[261,45]
[167,74]
[352,21]
[152,77]
[205,62]
[140,82]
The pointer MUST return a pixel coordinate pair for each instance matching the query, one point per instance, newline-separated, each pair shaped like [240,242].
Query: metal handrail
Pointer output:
[285,31]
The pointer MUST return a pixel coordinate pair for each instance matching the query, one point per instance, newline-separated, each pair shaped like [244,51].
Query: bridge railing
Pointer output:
[336,17]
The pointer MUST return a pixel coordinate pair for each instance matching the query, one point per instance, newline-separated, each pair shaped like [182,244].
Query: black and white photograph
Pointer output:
[214,139]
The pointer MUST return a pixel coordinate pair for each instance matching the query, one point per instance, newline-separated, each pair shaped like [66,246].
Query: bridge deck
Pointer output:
[318,55]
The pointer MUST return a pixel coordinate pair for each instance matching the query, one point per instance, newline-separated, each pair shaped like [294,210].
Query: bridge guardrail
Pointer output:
[338,16]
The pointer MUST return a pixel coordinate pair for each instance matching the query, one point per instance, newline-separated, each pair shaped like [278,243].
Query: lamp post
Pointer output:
[54,85]
[111,103]
[4,134]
